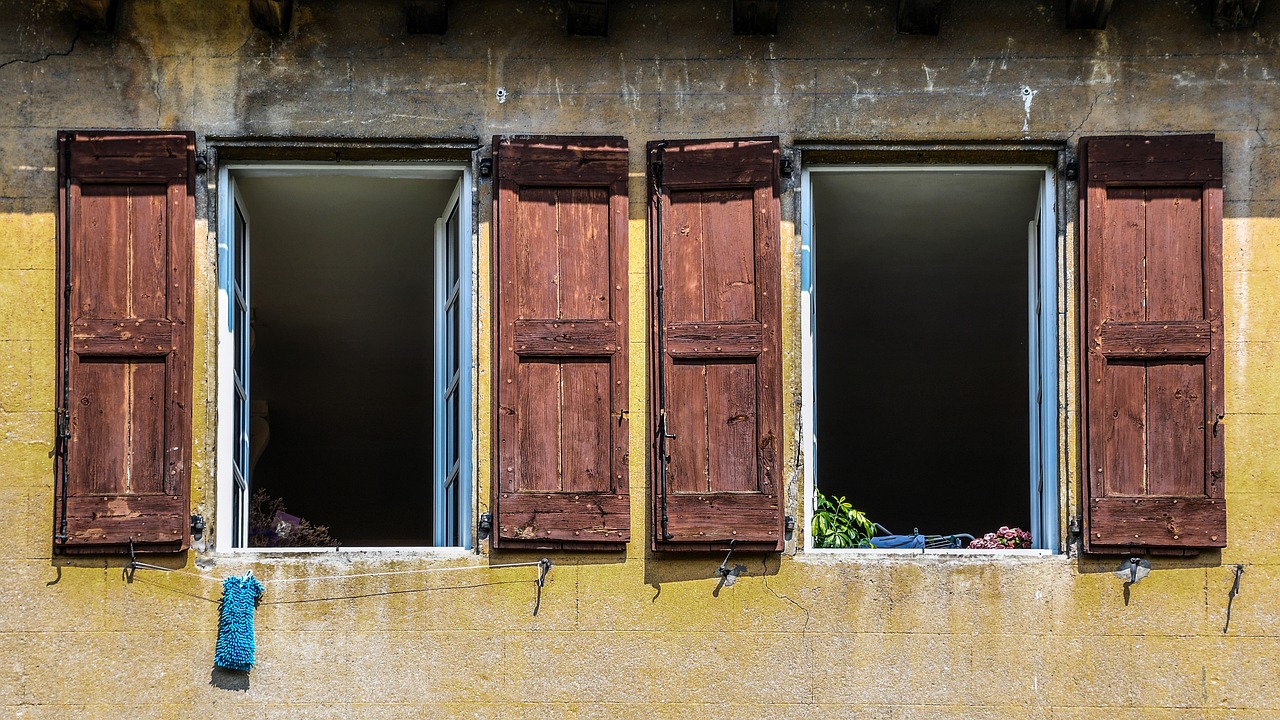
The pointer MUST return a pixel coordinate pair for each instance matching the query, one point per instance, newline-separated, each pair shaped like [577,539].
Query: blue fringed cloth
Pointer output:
[240,595]
[898,542]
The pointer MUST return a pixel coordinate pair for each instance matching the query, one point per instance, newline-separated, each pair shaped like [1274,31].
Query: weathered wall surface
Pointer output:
[629,634]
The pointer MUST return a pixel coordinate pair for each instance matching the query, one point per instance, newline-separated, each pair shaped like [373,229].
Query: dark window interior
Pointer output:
[922,311]
[342,277]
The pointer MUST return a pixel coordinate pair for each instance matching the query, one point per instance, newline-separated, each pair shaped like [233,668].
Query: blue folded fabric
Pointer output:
[896,542]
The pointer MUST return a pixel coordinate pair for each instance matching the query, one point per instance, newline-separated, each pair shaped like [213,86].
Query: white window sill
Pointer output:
[906,553]
[418,551]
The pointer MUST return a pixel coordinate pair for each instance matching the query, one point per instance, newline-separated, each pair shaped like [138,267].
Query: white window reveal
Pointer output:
[930,349]
[345,356]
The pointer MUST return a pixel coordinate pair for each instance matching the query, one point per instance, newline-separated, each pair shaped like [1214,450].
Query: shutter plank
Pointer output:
[1152,256]
[560,249]
[149,254]
[1175,445]
[539,296]
[714,340]
[729,255]
[102,268]
[581,338]
[100,428]
[146,464]
[1131,523]
[1167,339]
[1174,242]
[684,296]
[583,271]
[538,390]
[585,444]
[111,520]
[688,470]
[732,427]
[1123,472]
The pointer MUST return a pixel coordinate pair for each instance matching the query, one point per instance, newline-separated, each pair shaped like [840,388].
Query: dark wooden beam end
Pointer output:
[97,15]
[1235,14]
[587,17]
[427,17]
[1088,14]
[919,17]
[755,17]
[273,16]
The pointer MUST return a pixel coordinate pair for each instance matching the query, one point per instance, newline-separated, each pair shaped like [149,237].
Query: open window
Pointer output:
[930,352]
[345,355]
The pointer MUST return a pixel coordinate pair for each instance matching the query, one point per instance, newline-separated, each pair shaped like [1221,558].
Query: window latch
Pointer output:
[485,527]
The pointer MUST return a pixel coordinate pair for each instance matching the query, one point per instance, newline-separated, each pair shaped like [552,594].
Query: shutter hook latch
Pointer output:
[728,576]
[133,564]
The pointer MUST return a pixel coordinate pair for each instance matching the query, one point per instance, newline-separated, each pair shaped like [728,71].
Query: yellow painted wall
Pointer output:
[630,634]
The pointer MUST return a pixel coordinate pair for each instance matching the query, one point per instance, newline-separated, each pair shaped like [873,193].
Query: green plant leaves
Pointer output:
[836,524]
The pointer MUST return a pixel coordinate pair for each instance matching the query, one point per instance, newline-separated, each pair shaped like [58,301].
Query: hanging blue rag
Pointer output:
[240,596]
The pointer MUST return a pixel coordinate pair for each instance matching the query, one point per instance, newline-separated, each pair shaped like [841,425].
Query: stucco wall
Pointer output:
[630,634]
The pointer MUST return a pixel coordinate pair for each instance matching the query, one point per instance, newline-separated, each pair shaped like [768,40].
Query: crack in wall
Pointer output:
[1092,106]
[55,53]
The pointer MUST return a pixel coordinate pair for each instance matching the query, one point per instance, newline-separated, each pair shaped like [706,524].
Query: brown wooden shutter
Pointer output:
[717,369]
[560,243]
[126,241]
[1151,248]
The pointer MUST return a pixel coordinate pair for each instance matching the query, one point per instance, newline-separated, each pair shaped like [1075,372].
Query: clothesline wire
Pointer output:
[281,581]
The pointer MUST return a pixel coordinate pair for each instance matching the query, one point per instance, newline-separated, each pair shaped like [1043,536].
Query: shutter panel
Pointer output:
[560,472]
[716,268]
[1151,214]
[127,235]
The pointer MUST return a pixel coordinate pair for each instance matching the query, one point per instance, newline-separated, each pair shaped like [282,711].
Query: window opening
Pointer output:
[930,346]
[346,293]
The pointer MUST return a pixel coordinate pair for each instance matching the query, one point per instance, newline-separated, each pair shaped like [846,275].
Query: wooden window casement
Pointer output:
[1151,326]
[126,237]
[560,394]
[716,372]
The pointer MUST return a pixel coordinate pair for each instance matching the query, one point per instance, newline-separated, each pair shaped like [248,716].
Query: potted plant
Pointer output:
[836,524]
